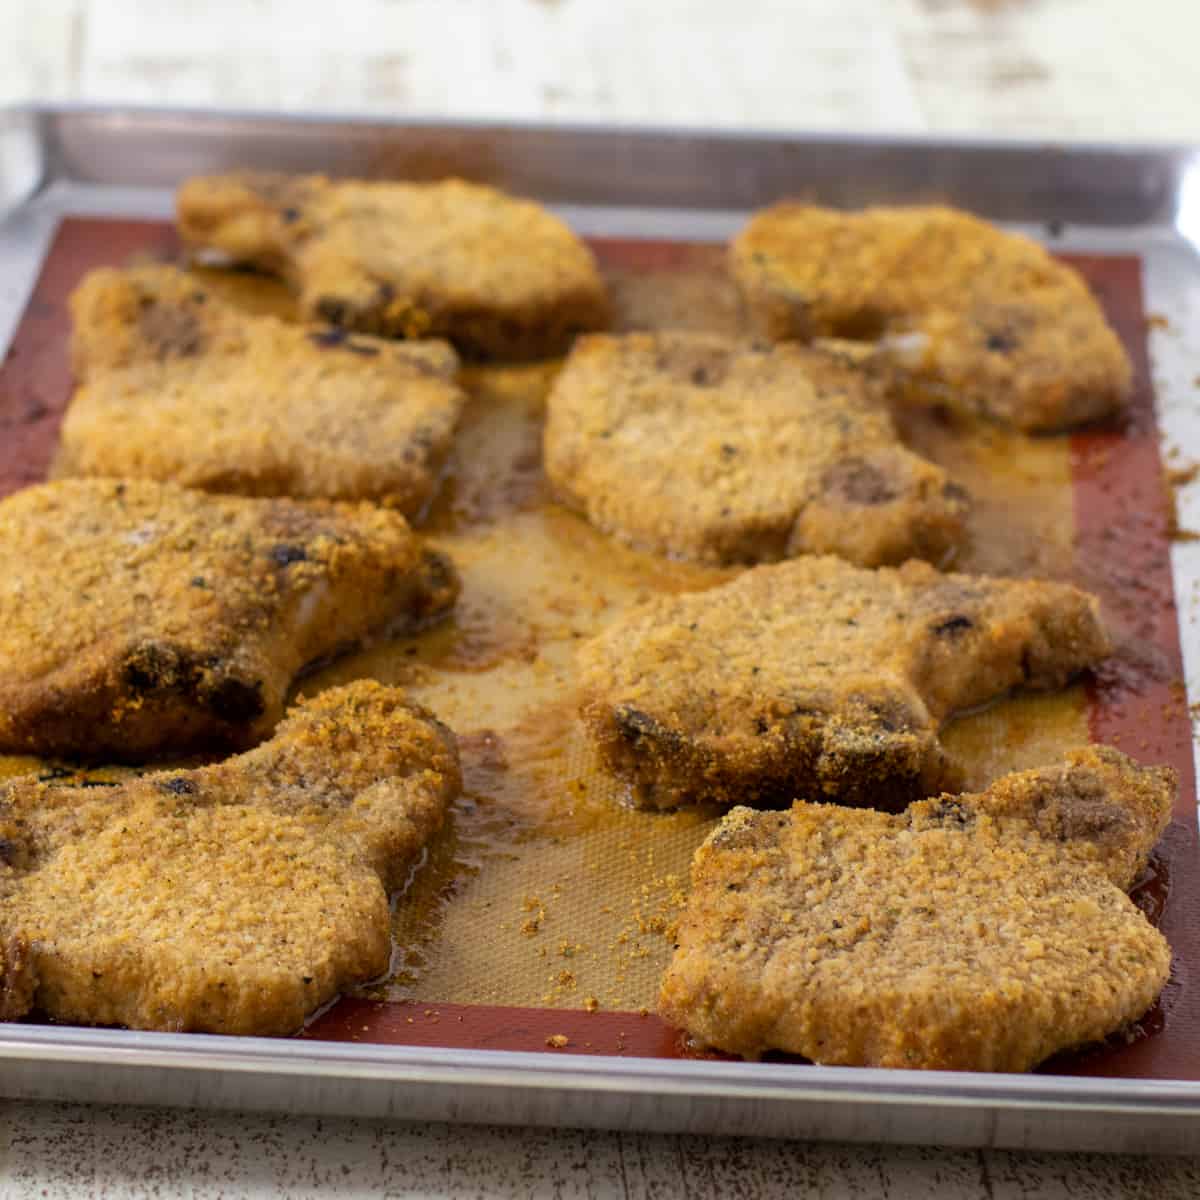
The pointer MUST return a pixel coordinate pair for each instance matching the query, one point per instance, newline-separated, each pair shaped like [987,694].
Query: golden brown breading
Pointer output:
[817,678]
[236,898]
[18,977]
[138,618]
[500,277]
[955,936]
[980,317]
[706,448]
[1100,806]
[178,386]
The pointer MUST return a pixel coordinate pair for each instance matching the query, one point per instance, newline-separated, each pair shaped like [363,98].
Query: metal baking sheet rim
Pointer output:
[507,1087]
[40,148]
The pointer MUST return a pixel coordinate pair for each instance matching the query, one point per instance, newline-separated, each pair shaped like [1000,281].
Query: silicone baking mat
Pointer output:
[541,918]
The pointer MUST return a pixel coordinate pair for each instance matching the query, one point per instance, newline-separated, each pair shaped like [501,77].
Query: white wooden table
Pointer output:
[1102,69]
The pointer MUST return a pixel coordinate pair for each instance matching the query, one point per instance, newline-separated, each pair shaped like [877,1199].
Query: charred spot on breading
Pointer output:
[983,320]
[333,311]
[953,936]
[706,448]
[863,325]
[159,671]
[234,898]
[216,398]
[498,276]
[284,556]
[952,626]
[702,362]
[948,811]
[236,701]
[634,724]
[171,331]
[335,337]
[439,584]
[1085,817]
[816,678]
[859,482]
[892,714]
[155,664]
[178,785]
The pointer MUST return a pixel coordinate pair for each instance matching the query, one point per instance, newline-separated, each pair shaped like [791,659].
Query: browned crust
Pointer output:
[235,898]
[962,311]
[163,619]
[1099,806]
[955,936]
[18,978]
[706,448]
[816,678]
[177,386]
[499,276]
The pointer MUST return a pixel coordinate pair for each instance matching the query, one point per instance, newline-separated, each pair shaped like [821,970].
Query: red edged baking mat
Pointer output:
[1136,702]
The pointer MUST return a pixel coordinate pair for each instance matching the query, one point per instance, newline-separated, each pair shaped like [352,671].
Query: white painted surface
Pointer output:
[1054,68]
[76,1151]
[1062,68]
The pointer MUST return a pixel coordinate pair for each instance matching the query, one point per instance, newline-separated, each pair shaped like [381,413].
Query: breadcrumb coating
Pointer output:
[500,277]
[18,978]
[178,386]
[140,618]
[235,898]
[975,316]
[706,448]
[978,932]
[817,678]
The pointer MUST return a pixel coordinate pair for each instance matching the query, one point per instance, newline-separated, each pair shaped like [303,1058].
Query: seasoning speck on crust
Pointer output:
[500,277]
[140,618]
[977,316]
[817,678]
[236,898]
[974,932]
[178,386]
[701,447]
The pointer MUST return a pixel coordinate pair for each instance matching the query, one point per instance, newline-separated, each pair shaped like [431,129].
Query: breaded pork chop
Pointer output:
[702,447]
[978,932]
[968,312]
[176,385]
[817,678]
[138,618]
[236,898]
[500,277]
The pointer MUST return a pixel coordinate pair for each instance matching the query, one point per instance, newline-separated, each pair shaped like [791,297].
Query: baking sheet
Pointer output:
[518,997]
[546,893]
